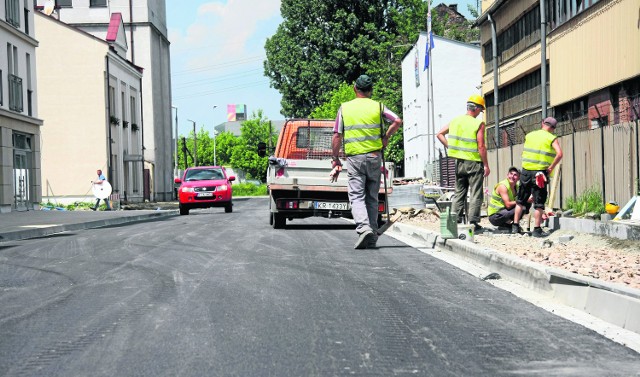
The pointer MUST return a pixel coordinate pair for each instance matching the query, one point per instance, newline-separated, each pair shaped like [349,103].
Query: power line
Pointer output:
[222,90]
[214,80]
[221,65]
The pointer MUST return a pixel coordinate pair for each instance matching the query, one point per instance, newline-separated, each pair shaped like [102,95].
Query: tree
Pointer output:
[245,153]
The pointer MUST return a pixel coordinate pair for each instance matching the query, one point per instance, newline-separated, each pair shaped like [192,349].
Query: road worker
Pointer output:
[502,203]
[541,154]
[466,144]
[359,123]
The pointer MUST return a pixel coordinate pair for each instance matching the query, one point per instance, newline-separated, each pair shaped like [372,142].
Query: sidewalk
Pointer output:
[614,303]
[31,224]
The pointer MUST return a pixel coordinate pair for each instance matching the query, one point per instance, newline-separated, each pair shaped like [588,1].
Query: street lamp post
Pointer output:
[175,145]
[195,144]
[215,161]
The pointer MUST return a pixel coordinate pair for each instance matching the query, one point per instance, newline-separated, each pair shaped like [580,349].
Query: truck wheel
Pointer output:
[279,221]
[184,210]
[228,208]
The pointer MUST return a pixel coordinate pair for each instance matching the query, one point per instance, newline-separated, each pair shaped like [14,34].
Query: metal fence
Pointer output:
[600,145]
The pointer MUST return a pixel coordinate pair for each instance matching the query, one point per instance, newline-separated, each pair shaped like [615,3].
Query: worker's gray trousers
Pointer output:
[469,177]
[364,173]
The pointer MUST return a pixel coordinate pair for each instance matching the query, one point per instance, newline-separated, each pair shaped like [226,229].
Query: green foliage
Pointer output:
[249,189]
[77,206]
[589,201]
[334,99]
[244,155]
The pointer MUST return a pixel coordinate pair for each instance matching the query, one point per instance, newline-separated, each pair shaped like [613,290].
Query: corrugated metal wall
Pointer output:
[584,163]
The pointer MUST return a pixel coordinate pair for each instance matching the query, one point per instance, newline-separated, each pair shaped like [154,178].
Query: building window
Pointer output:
[64,3]
[1,90]
[13,12]
[98,3]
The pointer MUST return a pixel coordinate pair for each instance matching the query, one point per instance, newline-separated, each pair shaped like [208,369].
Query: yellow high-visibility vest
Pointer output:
[362,121]
[538,153]
[496,204]
[463,138]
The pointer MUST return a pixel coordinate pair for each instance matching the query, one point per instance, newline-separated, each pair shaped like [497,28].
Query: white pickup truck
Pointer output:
[298,175]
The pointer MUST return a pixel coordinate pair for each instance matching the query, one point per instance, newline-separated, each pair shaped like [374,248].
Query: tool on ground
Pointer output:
[388,223]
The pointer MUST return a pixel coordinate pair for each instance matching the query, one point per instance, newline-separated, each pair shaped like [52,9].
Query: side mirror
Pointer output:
[262,149]
[232,178]
[177,180]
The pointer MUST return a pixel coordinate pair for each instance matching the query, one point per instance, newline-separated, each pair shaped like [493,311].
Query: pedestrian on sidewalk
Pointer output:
[466,144]
[359,124]
[502,203]
[541,154]
[101,180]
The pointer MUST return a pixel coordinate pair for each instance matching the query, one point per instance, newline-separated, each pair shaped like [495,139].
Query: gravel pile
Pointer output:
[603,258]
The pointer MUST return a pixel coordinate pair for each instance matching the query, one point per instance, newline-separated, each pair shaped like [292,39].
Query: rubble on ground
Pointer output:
[599,257]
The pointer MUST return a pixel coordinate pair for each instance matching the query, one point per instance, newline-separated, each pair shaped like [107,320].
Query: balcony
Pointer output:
[15,93]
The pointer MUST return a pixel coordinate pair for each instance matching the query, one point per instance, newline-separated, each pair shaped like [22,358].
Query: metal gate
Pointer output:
[21,180]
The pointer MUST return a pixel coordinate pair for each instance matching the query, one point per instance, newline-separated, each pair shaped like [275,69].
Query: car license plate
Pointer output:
[341,206]
[204,194]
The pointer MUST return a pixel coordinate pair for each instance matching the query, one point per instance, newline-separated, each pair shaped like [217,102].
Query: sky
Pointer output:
[217,54]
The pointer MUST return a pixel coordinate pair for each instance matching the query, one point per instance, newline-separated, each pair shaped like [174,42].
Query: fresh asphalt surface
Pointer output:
[215,294]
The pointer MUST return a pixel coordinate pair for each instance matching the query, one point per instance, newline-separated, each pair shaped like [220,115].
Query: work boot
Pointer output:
[373,242]
[515,228]
[539,233]
[364,240]
[477,228]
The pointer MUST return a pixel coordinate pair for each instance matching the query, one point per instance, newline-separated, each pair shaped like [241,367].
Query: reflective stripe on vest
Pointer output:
[361,118]
[463,142]
[496,204]
[538,153]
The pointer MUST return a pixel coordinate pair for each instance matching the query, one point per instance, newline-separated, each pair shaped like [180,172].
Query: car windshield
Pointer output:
[204,174]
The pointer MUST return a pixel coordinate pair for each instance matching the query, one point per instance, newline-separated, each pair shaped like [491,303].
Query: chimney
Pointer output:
[454,7]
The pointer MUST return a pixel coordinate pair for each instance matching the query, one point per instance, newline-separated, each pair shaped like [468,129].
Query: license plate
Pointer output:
[341,206]
[204,194]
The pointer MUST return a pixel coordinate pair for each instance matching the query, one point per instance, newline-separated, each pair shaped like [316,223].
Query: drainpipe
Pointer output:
[142,137]
[109,116]
[133,56]
[543,57]
[494,51]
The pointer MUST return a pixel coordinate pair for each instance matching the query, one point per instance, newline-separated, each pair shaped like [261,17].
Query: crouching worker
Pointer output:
[502,204]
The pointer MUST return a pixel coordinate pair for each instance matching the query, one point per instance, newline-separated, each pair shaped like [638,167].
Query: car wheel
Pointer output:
[279,221]
[228,208]
[270,218]
[184,210]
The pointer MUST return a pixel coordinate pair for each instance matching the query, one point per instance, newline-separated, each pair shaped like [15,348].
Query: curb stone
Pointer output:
[611,302]
[50,230]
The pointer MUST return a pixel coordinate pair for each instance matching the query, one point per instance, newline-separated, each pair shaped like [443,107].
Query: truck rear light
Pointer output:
[380,206]
[287,204]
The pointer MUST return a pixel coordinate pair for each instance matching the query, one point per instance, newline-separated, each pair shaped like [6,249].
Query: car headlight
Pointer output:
[222,188]
[187,189]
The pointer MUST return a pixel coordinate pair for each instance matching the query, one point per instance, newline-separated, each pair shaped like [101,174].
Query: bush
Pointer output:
[249,189]
[590,201]
[69,207]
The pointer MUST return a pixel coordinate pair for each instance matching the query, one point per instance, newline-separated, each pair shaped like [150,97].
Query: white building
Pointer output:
[455,69]
[20,182]
[146,28]
[90,97]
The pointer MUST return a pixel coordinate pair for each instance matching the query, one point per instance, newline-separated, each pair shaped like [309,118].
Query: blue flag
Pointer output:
[427,50]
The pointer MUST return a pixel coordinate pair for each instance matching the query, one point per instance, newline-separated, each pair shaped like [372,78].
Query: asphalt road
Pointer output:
[215,294]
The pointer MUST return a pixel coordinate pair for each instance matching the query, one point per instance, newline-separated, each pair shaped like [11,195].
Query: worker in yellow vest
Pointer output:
[502,203]
[541,154]
[359,125]
[466,144]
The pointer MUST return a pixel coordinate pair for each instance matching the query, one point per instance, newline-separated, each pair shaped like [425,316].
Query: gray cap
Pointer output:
[364,83]
[550,121]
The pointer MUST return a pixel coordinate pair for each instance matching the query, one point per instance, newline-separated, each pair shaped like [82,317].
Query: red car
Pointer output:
[205,187]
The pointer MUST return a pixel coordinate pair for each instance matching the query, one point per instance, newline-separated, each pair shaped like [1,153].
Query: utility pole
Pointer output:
[195,144]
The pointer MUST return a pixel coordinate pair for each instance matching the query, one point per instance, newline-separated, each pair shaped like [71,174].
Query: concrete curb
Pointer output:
[46,231]
[613,303]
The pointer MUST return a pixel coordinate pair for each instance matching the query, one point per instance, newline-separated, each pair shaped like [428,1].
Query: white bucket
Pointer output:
[465,232]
